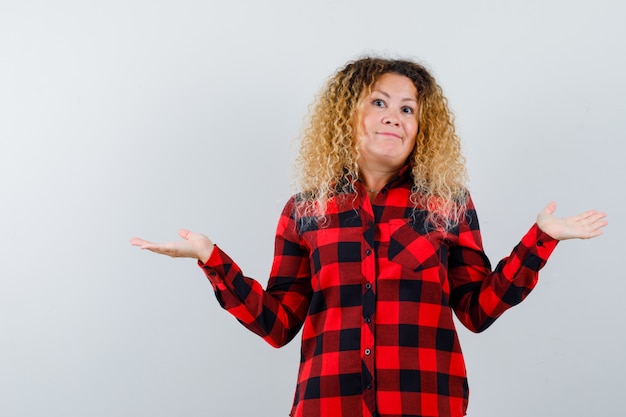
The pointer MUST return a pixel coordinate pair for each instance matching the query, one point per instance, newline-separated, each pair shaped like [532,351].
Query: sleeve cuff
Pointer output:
[544,244]
[213,265]
[530,254]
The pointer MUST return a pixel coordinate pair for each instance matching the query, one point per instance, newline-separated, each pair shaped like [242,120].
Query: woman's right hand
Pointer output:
[193,245]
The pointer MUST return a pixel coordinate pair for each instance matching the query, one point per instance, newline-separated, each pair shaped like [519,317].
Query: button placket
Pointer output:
[368,259]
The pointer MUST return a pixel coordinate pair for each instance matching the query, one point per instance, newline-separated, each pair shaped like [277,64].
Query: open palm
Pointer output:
[193,245]
[582,226]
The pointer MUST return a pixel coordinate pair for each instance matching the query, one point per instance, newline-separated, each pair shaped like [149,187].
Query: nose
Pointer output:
[391,118]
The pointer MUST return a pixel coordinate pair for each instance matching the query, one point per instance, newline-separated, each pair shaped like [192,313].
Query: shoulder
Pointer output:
[299,213]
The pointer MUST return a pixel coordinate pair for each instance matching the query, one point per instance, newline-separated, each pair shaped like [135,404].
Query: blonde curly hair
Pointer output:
[327,161]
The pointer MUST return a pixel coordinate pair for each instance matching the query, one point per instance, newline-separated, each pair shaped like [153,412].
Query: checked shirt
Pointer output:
[374,292]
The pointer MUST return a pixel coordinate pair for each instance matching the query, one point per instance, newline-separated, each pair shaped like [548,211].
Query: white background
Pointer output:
[135,118]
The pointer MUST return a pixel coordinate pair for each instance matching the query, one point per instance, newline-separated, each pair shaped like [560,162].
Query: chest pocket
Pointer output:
[415,250]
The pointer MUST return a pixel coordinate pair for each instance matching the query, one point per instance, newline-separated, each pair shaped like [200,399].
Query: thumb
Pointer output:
[184,233]
[550,208]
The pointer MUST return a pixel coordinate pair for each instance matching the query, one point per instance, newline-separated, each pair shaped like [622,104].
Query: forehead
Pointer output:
[396,84]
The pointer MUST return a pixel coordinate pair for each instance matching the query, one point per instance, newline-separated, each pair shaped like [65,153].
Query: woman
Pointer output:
[378,249]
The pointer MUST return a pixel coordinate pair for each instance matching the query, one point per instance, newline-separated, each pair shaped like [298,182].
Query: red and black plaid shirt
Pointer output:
[375,292]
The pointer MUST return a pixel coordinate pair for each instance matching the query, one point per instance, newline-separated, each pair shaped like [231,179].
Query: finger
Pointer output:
[594,229]
[139,242]
[168,249]
[598,216]
[587,214]
[593,218]
[583,218]
[598,224]
[184,233]
[592,234]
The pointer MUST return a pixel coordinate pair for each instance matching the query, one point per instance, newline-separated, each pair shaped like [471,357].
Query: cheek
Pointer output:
[410,147]
[410,129]
[366,122]
[412,143]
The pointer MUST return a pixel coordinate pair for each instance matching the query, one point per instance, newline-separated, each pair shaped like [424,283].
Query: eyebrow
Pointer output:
[387,95]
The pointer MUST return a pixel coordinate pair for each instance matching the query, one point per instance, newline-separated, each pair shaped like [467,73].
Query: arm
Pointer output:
[276,313]
[479,295]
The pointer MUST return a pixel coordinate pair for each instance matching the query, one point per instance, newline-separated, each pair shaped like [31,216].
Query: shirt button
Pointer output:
[367,351]
[540,243]
[368,286]
[212,273]
[368,320]
[368,252]
[368,386]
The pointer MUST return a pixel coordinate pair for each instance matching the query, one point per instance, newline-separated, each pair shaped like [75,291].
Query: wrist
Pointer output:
[205,252]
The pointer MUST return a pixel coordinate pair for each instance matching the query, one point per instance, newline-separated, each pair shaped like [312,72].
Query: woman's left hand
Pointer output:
[586,225]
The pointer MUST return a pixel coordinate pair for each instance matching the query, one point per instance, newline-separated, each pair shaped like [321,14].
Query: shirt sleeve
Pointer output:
[277,312]
[479,295]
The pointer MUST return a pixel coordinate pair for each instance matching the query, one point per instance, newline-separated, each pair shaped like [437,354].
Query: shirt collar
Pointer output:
[402,177]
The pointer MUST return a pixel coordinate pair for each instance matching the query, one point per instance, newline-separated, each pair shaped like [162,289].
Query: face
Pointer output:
[388,123]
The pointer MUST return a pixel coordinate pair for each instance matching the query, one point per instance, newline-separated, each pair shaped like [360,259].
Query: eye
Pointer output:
[378,103]
[408,110]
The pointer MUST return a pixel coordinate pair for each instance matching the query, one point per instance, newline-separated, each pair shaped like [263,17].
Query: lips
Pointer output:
[391,134]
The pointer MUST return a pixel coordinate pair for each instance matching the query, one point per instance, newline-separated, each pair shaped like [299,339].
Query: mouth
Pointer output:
[390,134]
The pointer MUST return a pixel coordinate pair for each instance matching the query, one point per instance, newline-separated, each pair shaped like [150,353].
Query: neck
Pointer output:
[374,181]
